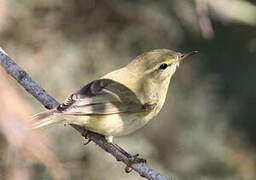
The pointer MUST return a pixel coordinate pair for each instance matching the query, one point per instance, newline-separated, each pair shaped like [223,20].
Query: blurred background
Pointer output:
[206,130]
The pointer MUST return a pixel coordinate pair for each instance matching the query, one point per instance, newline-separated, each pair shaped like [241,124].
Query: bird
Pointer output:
[121,101]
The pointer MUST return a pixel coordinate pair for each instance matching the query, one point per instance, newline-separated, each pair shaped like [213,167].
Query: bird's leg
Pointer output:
[86,133]
[110,140]
[132,159]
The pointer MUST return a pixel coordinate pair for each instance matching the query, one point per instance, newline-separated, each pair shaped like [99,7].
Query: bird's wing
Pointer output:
[103,96]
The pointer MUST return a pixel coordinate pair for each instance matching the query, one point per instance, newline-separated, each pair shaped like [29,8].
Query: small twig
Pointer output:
[49,102]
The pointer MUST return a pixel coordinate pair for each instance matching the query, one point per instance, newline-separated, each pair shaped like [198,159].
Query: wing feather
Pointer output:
[101,97]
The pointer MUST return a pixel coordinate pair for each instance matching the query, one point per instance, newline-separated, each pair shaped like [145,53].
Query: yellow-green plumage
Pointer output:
[121,101]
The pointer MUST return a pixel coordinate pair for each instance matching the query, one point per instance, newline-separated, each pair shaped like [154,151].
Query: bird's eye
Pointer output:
[163,66]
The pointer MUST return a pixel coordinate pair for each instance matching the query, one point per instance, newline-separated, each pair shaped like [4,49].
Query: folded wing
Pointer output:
[102,97]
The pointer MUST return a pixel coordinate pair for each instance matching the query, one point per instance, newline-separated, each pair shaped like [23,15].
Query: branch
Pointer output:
[49,102]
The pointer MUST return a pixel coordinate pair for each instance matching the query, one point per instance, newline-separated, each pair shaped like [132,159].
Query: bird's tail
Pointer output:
[46,118]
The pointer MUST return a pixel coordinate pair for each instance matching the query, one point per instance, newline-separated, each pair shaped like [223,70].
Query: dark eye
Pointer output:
[163,66]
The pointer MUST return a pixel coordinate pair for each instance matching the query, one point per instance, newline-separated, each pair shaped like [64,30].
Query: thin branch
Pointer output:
[25,80]
[49,102]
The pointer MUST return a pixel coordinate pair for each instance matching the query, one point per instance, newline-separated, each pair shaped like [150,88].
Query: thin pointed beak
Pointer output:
[185,55]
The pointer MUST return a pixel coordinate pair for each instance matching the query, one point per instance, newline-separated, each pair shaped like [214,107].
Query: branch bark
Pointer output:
[49,102]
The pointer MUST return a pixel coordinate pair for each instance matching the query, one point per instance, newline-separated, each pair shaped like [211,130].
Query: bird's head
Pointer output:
[158,65]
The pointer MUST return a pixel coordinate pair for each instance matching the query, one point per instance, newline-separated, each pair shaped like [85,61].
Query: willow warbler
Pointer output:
[122,101]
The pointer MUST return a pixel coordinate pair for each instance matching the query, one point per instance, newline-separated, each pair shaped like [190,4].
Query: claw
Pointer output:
[128,169]
[133,160]
[85,134]
[88,141]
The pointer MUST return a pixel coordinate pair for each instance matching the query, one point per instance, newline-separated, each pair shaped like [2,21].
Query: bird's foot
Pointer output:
[133,159]
[88,141]
[85,135]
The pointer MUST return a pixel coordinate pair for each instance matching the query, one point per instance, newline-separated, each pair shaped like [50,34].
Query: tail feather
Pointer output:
[46,118]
